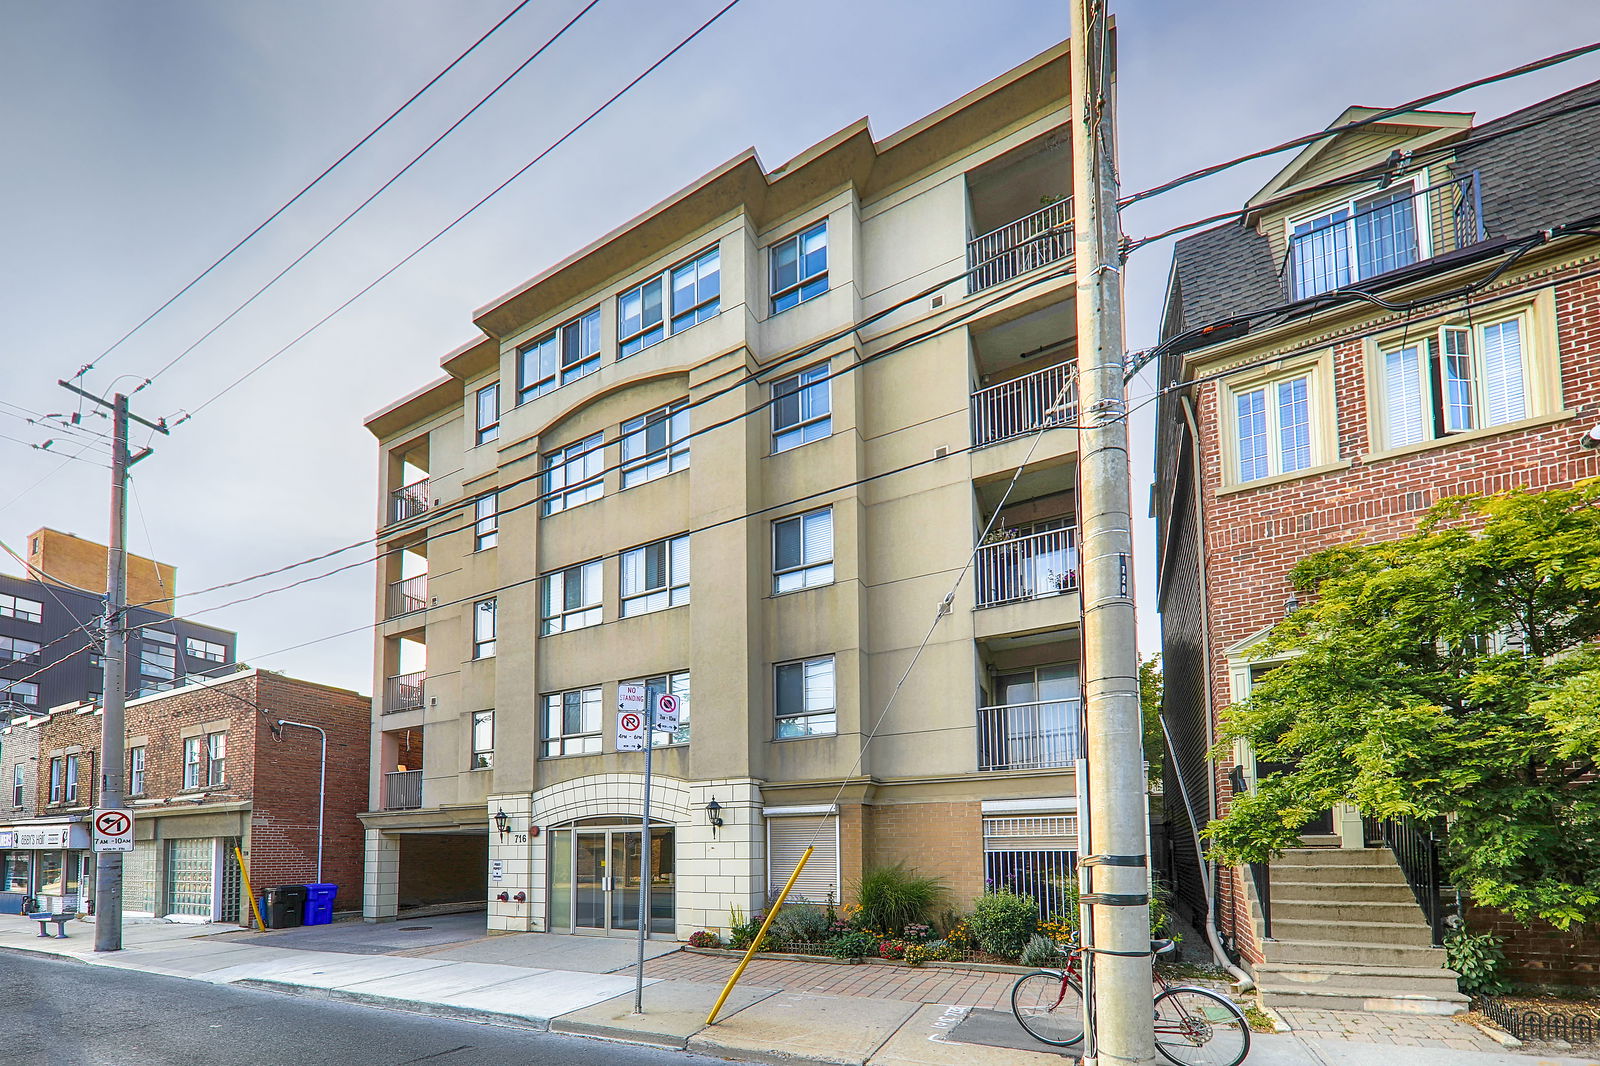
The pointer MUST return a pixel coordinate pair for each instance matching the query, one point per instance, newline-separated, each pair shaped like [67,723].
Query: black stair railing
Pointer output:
[1261,874]
[1416,848]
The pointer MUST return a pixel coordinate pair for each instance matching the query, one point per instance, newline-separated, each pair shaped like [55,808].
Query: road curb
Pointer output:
[38,954]
[409,1006]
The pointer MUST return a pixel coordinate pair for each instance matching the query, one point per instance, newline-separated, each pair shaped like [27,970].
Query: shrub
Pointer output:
[703,939]
[854,945]
[801,921]
[1041,951]
[1002,922]
[917,954]
[1479,960]
[893,897]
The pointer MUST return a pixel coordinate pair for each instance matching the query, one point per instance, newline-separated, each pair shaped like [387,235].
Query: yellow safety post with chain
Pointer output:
[237,854]
[760,936]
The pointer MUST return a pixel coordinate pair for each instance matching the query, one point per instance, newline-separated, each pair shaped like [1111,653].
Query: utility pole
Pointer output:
[108,864]
[1118,872]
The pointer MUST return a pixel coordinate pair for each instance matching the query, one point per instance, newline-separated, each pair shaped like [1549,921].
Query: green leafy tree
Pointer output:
[1452,674]
[1155,742]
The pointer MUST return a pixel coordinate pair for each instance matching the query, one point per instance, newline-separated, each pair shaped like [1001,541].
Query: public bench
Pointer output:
[44,918]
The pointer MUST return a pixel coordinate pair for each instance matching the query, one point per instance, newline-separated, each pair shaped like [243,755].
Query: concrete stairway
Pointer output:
[1348,935]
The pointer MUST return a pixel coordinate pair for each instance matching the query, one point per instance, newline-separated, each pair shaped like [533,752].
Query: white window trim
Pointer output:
[547,383]
[1420,212]
[583,451]
[546,739]
[483,647]
[472,741]
[485,432]
[671,589]
[801,281]
[486,528]
[673,456]
[803,714]
[825,382]
[1317,368]
[670,312]
[546,620]
[822,569]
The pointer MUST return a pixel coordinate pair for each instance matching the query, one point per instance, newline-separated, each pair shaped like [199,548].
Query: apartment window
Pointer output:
[216,757]
[802,551]
[193,762]
[158,654]
[640,317]
[571,598]
[55,780]
[572,723]
[22,608]
[14,648]
[97,662]
[1355,240]
[806,701]
[483,629]
[482,740]
[486,521]
[800,267]
[69,779]
[208,650]
[1273,424]
[655,576]
[801,408]
[654,688]
[563,355]
[653,444]
[136,771]
[488,413]
[696,289]
[23,692]
[17,789]
[1454,380]
[572,475]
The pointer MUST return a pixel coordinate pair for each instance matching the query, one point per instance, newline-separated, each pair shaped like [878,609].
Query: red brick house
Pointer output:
[208,770]
[1409,310]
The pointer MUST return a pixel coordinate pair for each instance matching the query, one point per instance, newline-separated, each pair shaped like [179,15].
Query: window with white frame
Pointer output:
[482,740]
[679,297]
[799,267]
[805,700]
[209,650]
[23,692]
[801,408]
[69,778]
[1357,239]
[565,354]
[802,551]
[1272,423]
[486,521]
[573,475]
[14,648]
[1454,379]
[21,608]
[654,688]
[488,413]
[655,576]
[653,444]
[136,771]
[483,629]
[55,780]
[194,756]
[572,723]
[787,840]
[216,757]
[571,598]
[18,789]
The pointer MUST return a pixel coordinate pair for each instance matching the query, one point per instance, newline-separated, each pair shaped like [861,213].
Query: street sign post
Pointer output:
[113,830]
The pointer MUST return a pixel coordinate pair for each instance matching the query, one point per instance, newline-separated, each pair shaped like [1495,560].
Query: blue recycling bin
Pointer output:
[319,904]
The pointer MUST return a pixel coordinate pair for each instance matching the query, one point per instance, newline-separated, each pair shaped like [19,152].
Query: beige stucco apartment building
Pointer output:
[740,450]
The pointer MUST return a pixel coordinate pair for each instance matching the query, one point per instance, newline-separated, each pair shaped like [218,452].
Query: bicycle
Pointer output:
[1193,1026]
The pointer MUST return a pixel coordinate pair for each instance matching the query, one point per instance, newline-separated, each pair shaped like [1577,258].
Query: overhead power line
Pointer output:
[331,167]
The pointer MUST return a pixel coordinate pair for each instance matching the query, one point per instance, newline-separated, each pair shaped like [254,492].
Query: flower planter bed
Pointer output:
[931,964]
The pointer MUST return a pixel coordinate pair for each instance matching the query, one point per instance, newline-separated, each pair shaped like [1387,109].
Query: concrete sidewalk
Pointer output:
[874,1016]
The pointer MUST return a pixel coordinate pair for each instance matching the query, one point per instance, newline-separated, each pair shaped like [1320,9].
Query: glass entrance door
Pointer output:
[594,880]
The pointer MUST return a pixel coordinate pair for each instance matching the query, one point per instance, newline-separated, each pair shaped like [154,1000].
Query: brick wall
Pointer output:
[1254,536]
[935,839]
[19,745]
[1541,954]
[60,734]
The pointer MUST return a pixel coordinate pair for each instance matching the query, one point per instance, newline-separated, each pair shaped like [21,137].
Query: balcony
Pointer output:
[402,790]
[408,501]
[403,692]
[1046,397]
[1029,736]
[1020,246]
[1363,238]
[1033,567]
[408,595]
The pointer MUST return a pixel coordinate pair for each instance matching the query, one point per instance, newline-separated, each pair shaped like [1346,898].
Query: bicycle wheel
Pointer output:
[1197,1027]
[1049,1006]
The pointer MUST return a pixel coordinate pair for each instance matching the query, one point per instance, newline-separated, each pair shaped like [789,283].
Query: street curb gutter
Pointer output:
[37,954]
[409,1006]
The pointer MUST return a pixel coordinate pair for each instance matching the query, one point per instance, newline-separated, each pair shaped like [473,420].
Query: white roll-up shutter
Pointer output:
[787,840]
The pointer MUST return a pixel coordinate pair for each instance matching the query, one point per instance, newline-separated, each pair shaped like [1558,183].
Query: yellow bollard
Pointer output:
[748,955]
[237,854]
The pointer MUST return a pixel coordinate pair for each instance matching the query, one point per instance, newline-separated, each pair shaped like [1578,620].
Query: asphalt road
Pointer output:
[63,1013]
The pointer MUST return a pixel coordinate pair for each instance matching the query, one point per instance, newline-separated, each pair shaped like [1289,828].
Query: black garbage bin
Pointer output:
[282,907]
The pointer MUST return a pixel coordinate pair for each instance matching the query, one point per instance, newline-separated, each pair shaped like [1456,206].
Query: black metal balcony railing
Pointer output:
[1020,246]
[1046,397]
[408,501]
[402,790]
[1388,231]
[403,692]
[1028,736]
[1027,568]
[410,594]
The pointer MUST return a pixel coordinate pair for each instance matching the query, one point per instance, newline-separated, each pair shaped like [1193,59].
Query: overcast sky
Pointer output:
[141,140]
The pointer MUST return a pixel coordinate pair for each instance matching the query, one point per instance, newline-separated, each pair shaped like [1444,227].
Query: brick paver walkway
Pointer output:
[1371,1028]
[924,984]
